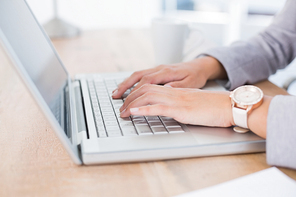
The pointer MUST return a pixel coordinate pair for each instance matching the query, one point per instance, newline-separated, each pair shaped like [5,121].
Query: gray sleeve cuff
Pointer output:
[223,56]
[259,57]
[243,63]
[281,132]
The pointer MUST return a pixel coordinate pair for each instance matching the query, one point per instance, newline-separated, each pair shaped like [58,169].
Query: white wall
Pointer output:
[93,14]
[42,9]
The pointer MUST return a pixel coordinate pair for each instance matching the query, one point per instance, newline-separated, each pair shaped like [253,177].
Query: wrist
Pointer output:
[250,109]
[229,113]
[212,68]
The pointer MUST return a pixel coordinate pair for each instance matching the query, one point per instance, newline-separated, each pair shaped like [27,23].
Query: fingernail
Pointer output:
[122,111]
[115,92]
[167,85]
[133,110]
[121,108]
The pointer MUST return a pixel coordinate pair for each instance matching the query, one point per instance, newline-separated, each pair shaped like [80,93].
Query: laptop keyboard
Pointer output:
[107,115]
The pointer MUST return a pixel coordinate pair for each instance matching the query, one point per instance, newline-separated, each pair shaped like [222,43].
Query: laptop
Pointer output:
[83,114]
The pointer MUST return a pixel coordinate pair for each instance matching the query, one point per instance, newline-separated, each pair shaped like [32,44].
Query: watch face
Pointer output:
[247,95]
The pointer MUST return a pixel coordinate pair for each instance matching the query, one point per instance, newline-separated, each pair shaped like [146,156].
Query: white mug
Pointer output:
[169,37]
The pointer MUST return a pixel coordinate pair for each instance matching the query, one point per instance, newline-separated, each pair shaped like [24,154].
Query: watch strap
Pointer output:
[240,117]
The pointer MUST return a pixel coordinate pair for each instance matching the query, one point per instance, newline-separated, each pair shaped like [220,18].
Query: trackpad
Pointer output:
[146,142]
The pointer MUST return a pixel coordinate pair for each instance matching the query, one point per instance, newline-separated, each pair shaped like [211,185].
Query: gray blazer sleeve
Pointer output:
[255,60]
[281,132]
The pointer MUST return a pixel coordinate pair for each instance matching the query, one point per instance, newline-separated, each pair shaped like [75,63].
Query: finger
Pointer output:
[185,83]
[153,110]
[144,89]
[162,76]
[130,81]
[149,98]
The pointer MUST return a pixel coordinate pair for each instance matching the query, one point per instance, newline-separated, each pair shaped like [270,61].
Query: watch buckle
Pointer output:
[240,129]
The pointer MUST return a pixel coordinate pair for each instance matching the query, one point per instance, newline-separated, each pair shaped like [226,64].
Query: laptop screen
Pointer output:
[33,50]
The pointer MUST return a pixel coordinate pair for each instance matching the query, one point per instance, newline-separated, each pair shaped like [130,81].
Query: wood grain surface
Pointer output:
[34,163]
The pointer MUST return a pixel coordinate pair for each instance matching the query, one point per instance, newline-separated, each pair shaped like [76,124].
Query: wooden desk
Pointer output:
[34,163]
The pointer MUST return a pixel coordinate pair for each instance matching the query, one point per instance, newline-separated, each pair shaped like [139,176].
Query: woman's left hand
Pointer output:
[188,106]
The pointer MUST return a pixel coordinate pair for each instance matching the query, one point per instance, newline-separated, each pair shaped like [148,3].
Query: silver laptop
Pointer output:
[84,116]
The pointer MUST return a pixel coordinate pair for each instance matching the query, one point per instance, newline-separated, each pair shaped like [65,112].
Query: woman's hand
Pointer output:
[188,106]
[192,74]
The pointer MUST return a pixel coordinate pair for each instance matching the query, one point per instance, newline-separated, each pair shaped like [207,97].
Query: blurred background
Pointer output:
[224,21]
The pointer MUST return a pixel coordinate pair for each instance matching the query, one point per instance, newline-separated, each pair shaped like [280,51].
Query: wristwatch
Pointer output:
[243,100]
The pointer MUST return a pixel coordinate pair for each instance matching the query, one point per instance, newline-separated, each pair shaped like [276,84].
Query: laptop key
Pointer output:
[99,124]
[128,131]
[117,112]
[112,128]
[109,118]
[152,118]
[117,101]
[124,119]
[138,118]
[102,134]
[98,115]
[175,129]
[106,104]
[120,80]
[111,123]
[117,106]
[126,124]
[103,96]
[108,113]
[101,128]
[152,124]
[171,124]
[143,130]
[106,109]
[96,110]
[159,130]
[140,122]
[164,118]
[114,134]
[101,131]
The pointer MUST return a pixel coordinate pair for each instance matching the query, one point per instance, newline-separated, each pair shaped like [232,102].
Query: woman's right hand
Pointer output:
[192,74]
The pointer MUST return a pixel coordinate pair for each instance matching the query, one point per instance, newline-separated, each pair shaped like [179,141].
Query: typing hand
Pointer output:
[188,106]
[192,74]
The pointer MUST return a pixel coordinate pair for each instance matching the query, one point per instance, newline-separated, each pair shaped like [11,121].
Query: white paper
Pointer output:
[266,183]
